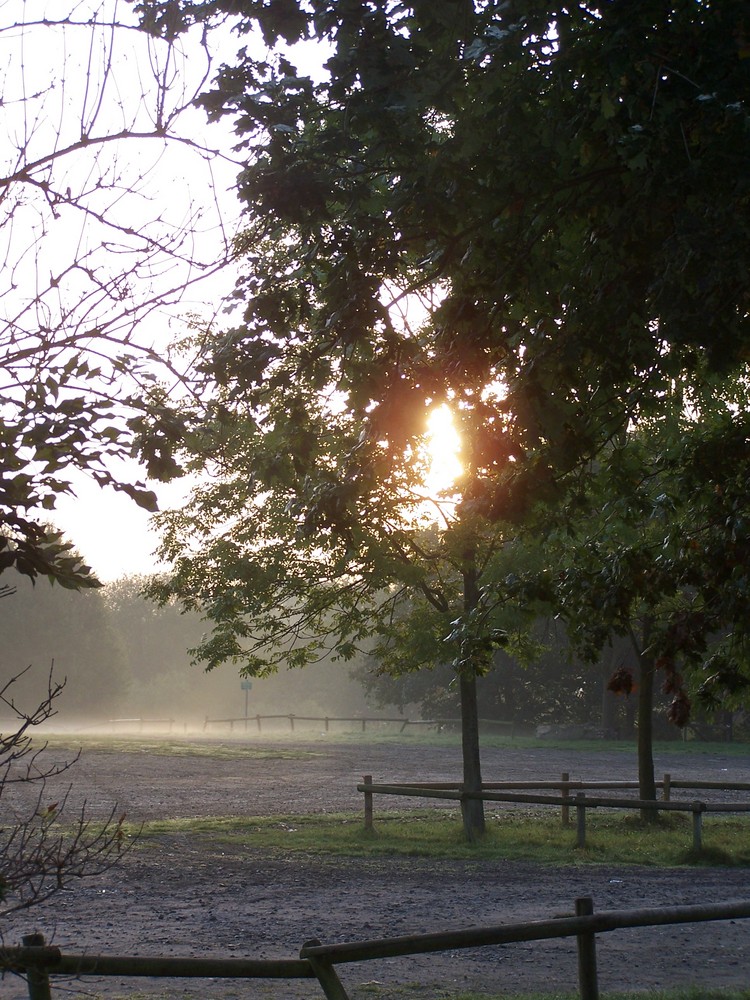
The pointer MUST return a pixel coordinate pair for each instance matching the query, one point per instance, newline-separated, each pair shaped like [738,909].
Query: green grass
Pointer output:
[500,740]
[250,744]
[613,838]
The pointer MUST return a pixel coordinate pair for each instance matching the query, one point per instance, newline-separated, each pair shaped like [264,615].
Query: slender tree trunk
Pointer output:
[609,702]
[472,809]
[646,778]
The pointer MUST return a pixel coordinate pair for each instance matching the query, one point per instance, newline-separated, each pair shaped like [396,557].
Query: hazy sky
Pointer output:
[86,78]
[109,530]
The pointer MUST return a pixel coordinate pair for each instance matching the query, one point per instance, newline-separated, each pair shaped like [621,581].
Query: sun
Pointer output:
[443,446]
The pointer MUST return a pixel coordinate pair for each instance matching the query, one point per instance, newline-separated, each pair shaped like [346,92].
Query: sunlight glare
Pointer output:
[443,448]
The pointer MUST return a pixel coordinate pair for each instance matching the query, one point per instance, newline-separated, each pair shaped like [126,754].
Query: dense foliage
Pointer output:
[534,212]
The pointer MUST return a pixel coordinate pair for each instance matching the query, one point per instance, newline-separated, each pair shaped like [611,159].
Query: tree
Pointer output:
[283,581]
[73,630]
[535,212]
[42,849]
[95,240]
[532,683]
[656,555]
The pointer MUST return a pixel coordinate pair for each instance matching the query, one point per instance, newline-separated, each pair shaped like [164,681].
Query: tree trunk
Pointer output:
[646,779]
[472,809]
[645,710]
[610,727]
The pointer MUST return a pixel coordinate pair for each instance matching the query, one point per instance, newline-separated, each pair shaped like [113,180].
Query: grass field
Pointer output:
[221,742]
[614,838]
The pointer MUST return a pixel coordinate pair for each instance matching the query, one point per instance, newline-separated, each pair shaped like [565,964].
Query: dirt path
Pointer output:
[177,897]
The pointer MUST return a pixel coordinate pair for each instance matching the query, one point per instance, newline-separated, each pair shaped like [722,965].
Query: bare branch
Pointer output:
[41,850]
[111,222]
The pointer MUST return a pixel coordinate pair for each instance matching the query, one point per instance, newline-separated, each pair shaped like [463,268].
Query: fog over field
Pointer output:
[124,657]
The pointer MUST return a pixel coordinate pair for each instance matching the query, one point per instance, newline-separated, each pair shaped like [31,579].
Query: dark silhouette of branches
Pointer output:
[42,848]
[109,221]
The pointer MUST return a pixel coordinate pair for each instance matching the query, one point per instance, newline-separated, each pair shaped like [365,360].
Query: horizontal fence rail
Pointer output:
[316,960]
[291,718]
[326,720]
[501,791]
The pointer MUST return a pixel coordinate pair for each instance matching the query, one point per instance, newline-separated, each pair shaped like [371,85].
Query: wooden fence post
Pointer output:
[580,819]
[367,780]
[565,792]
[698,808]
[587,976]
[291,722]
[260,724]
[37,979]
[324,970]
[667,787]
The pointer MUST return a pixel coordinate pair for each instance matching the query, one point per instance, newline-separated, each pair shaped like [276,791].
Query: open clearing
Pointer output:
[181,894]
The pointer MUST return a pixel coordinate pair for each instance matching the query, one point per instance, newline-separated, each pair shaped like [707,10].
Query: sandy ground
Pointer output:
[179,897]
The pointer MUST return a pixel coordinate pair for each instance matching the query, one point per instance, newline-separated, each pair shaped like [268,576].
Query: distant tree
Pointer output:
[155,637]
[155,640]
[538,682]
[42,848]
[96,239]
[73,630]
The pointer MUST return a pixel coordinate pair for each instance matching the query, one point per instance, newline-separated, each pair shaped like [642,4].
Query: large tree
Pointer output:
[535,212]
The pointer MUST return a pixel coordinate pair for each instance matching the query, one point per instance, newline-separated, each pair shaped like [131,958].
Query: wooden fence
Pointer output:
[318,961]
[499,791]
[326,720]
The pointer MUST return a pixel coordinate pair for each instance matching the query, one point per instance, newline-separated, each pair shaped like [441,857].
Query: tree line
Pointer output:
[122,656]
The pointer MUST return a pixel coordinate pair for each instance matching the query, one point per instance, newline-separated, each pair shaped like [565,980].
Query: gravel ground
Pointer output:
[177,896]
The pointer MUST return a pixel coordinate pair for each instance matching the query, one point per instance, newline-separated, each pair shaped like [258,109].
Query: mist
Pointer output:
[124,658]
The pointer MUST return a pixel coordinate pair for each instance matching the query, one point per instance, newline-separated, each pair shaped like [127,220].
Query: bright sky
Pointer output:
[103,93]
[59,82]
[112,534]
[115,536]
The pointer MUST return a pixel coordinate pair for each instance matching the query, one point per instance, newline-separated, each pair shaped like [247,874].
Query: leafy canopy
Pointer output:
[536,212]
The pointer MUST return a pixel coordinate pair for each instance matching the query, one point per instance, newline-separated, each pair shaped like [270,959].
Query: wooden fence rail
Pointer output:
[496,792]
[39,963]
[292,719]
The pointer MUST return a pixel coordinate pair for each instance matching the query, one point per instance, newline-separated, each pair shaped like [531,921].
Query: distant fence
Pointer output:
[326,720]
[499,791]
[318,961]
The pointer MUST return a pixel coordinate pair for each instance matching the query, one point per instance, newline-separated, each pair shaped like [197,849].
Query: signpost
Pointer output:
[246,686]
